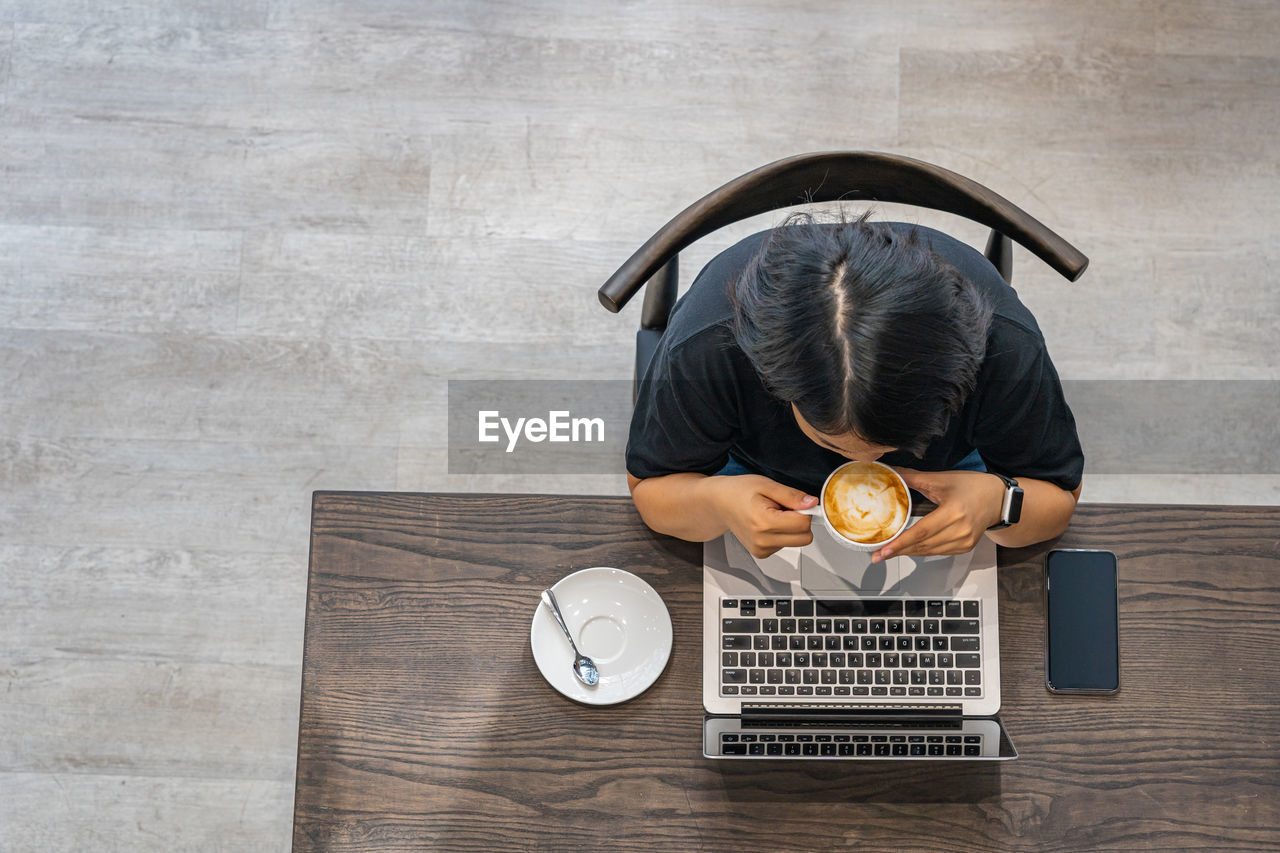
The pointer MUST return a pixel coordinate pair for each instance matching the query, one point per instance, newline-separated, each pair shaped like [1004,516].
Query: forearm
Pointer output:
[680,505]
[1046,512]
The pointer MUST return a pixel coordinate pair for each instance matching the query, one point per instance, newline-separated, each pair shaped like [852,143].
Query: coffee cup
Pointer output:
[864,505]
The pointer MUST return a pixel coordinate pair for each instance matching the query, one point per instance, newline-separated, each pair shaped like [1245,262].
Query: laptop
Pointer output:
[817,653]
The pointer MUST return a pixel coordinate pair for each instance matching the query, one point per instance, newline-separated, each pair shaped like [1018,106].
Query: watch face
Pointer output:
[1015,505]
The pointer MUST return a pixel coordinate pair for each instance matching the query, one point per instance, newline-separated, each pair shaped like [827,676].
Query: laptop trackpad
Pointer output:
[827,566]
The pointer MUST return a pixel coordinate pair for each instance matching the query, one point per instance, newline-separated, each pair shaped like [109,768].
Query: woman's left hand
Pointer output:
[968,502]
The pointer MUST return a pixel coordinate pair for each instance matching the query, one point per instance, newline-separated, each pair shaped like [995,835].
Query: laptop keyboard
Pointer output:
[851,746]
[851,647]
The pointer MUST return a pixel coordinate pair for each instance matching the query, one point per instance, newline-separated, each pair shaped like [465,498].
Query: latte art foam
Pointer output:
[865,502]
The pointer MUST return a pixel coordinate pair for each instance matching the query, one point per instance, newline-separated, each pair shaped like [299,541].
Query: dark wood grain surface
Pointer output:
[425,723]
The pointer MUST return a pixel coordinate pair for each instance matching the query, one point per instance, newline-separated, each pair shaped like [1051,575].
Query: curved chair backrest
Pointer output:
[822,177]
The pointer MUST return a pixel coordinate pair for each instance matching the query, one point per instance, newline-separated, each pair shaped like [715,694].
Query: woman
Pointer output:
[811,344]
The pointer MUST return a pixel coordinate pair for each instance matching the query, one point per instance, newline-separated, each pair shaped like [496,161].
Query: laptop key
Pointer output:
[777,642]
[782,608]
[760,643]
[792,748]
[773,676]
[756,676]
[733,676]
[968,661]
[774,749]
[755,749]
[975,692]
[959,626]
[803,607]
[742,626]
[728,658]
[953,610]
[796,643]
[832,643]
[735,641]
[733,749]
[806,626]
[748,690]
[971,610]
[770,626]
[964,644]
[823,626]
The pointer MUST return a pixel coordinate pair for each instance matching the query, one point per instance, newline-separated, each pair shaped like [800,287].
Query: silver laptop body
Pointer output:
[829,718]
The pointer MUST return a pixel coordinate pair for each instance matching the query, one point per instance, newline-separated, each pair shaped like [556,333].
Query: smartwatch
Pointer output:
[1011,505]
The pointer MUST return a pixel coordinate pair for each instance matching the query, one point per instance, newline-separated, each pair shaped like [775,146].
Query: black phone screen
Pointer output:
[1083,645]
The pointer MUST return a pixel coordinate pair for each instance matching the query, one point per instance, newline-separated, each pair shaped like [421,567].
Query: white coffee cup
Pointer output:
[895,517]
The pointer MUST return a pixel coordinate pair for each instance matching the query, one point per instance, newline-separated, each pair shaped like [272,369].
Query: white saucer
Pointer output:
[618,621]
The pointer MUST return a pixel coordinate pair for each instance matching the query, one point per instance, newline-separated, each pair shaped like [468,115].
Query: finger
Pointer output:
[922,481]
[790,540]
[787,497]
[910,538]
[951,539]
[787,521]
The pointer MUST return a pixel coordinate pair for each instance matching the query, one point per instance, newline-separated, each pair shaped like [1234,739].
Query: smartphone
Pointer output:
[1082,649]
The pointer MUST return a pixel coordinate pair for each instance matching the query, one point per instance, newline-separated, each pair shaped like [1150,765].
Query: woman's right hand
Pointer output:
[762,512]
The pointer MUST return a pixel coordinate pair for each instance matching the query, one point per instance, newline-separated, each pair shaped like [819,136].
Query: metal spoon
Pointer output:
[583,666]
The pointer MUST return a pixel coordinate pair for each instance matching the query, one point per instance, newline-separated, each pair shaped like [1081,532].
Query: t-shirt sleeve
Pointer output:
[685,417]
[1024,426]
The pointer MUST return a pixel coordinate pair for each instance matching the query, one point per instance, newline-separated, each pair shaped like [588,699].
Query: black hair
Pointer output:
[863,328]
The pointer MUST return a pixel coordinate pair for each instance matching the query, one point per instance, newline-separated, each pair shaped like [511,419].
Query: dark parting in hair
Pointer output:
[865,329]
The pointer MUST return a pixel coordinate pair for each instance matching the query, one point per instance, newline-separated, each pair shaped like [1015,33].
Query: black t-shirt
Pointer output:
[701,399]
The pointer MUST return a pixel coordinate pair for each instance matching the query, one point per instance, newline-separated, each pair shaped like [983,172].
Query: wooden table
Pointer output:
[425,723]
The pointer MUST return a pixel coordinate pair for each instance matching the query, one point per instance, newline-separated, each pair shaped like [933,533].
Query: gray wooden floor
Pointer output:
[244,243]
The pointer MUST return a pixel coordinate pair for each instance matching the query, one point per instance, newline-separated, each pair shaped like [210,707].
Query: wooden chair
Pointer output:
[822,177]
